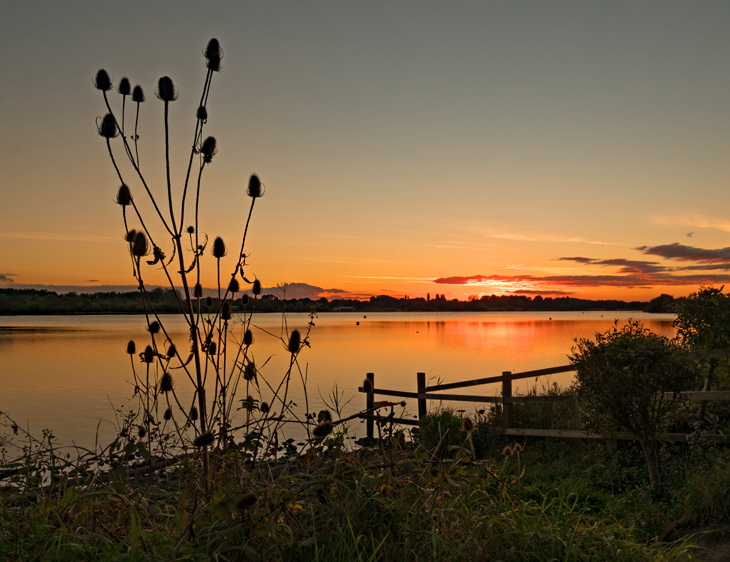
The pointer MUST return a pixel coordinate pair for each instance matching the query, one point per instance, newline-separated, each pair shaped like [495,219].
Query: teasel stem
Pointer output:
[239,265]
[167,166]
[136,136]
[196,140]
[136,169]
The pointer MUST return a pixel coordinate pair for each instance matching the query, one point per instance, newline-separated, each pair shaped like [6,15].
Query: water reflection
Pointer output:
[66,373]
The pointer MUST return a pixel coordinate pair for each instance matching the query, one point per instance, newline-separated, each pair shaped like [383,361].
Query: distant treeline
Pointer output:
[165,301]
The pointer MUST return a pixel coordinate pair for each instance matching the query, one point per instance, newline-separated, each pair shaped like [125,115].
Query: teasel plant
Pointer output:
[217,357]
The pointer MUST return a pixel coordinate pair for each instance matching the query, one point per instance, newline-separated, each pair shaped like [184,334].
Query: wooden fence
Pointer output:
[507,400]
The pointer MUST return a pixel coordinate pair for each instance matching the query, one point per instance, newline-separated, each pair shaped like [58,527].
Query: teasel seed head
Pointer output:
[517,448]
[367,386]
[138,94]
[212,348]
[214,63]
[244,299]
[141,431]
[226,310]
[219,248]
[295,342]
[166,383]
[202,113]
[249,373]
[264,407]
[212,49]
[323,429]
[198,291]
[467,424]
[204,439]
[234,286]
[131,347]
[246,501]
[191,230]
[154,327]
[102,81]
[507,451]
[140,248]
[247,338]
[324,416]
[193,414]
[208,149]
[208,301]
[148,355]
[256,289]
[129,235]
[107,127]
[254,187]
[171,351]
[166,89]
[167,416]
[124,87]
[124,196]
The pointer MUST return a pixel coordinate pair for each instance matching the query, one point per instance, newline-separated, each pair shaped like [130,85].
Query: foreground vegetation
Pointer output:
[449,494]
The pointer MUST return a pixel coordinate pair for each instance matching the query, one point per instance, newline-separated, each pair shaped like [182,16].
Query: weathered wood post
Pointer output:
[421,386]
[369,401]
[506,395]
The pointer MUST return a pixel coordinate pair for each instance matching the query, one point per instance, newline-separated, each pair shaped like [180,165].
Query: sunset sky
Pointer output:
[407,147]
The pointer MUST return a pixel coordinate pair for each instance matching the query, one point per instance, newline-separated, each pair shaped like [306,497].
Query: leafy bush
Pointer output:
[621,379]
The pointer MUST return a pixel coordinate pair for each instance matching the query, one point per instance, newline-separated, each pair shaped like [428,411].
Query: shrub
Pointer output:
[621,379]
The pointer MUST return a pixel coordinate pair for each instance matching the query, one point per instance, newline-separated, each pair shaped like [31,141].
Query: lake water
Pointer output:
[69,373]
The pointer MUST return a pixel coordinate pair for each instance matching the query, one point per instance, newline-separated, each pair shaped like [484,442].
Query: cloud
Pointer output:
[692,219]
[539,292]
[626,266]
[680,252]
[7,277]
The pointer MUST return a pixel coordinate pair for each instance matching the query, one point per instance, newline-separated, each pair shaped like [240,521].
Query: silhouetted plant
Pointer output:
[178,254]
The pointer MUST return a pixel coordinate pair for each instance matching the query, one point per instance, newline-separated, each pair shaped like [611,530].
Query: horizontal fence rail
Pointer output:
[507,400]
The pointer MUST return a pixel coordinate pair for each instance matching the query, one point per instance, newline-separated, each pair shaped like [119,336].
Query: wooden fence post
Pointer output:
[421,386]
[369,401]
[506,393]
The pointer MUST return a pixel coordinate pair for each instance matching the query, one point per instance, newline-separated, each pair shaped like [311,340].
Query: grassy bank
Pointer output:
[447,495]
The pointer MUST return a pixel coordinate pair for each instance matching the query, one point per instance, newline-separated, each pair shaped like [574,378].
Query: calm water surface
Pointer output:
[69,373]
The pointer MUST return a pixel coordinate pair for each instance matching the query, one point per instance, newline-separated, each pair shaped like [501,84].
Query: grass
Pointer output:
[402,500]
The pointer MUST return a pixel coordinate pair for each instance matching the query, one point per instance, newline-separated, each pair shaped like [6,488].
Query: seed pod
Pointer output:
[102,81]
[219,248]
[324,416]
[208,302]
[244,299]
[166,383]
[247,338]
[249,373]
[191,230]
[129,235]
[107,126]
[131,347]
[507,451]
[171,351]
[234,286]
[367,386]
[124,87]
[154,327]
[256,289]
[167,415]
[148,355]
[254,187]
[467,424]
[193,414]
[213,49]
[139,245]
[204,439]
[295,340]
[246,501]
[323,429]
[198,291]
[166,89]
[141,431]
[208,149]
[214,63]
[226,310]
[138,94]
[212,348]
[264,407]
[517,448]
[124,196]
[202,113]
